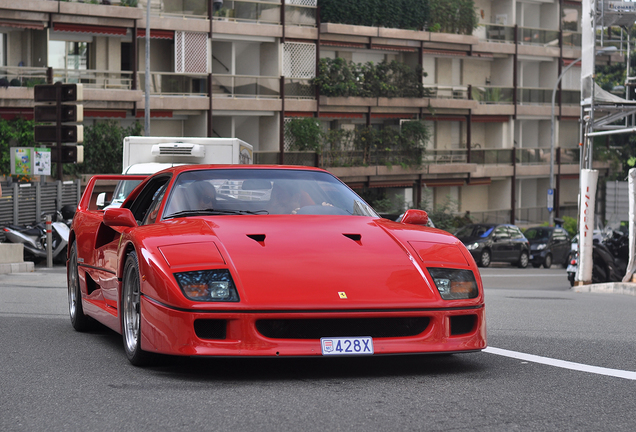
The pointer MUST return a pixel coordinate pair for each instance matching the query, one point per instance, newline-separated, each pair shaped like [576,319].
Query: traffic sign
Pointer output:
[550,200]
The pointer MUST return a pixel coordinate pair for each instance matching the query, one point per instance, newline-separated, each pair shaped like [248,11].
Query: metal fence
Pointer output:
[24,203]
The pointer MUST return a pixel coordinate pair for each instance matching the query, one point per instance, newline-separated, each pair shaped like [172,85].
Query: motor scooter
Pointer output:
[33,237]
[610,254]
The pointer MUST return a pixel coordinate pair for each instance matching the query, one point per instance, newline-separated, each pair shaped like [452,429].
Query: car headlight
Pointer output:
[208,285]
[454,284]
[541,246]
[472,246]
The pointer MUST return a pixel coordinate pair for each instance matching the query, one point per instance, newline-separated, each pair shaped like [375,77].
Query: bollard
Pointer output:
[49,242]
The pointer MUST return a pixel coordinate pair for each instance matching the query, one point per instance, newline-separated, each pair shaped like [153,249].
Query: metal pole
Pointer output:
[554,89]
[49,241]
[147,74]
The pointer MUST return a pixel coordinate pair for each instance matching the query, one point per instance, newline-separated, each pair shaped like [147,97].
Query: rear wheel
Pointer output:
[131,312]
[484,258]
[523,260]
[547,263]
[79,320]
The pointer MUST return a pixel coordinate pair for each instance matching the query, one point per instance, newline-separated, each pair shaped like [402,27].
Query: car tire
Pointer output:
[131,312]
[484,258]
[547,263]
[523,260]
[79,320]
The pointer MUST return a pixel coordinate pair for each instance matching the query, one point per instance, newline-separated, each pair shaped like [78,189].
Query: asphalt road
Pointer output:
[53,378]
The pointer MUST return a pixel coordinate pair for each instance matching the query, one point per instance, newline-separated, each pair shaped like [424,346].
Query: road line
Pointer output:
[562,363]
[560,275]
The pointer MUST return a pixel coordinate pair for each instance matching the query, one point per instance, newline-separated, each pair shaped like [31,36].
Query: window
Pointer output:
[68,55]
[502,233]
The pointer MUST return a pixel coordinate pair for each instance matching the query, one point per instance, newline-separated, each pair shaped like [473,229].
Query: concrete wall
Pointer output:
[248,58]
[475,72]
[269,133]
[474,198]
[499,194]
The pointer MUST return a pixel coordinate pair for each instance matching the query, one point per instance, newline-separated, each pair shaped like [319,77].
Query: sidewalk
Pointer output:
[628,288]
[20,267]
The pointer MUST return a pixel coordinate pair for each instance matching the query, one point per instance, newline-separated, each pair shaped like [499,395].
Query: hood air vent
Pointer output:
[354,237]
[260,238]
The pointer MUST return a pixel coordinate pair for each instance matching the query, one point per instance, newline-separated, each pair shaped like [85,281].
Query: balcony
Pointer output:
[245,86]
[491,156]
[175,84]
[496,33]
[492,94]
[536,36]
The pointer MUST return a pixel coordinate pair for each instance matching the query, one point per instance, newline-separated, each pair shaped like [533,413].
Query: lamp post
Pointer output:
[605,50]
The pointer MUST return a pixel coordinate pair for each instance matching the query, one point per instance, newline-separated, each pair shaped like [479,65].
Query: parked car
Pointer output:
[495,243]
[548,245]
[252,260]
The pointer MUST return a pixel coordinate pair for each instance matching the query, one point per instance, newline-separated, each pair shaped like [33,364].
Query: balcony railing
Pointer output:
[175,84]
[436,91]
[445,156]
[262,12]
[570,155]
[23,76]
[177,8]
[491,156]
[533,156]
[496,33]
[492,94]
[535,36]
[572,39]
[534,96]
[246,86]
[299,89]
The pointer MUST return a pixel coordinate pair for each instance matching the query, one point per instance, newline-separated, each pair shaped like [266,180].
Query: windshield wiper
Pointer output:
[208,212]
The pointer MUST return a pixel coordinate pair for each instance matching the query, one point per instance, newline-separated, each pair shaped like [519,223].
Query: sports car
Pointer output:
[231,260]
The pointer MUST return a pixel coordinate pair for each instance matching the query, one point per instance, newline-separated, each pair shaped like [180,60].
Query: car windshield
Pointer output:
[537,234]
[475,231]
[262,191]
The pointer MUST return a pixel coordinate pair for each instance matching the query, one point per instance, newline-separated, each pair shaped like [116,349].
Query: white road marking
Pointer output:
[562,363]
[560,275]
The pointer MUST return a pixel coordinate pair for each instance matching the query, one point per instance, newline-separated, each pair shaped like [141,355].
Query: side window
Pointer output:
[515,232]
[502,233]
[145,199]
[153,210]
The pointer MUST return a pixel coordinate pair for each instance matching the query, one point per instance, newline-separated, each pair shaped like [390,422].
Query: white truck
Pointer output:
[148,155]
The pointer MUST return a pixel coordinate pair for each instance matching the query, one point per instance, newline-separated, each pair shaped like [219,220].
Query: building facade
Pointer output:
[245,70]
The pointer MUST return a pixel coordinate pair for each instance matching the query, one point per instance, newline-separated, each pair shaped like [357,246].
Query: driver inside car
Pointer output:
[287,198]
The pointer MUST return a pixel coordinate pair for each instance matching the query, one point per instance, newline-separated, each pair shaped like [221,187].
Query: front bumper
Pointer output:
[169,331]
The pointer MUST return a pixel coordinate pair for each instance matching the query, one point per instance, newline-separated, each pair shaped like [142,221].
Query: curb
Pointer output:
[21,267]
[626,288]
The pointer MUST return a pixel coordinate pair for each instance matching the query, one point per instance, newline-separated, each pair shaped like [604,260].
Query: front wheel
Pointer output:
[484,259]
[131,312]
[523,260]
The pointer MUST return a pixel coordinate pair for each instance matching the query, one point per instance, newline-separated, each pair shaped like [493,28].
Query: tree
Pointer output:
[103,148]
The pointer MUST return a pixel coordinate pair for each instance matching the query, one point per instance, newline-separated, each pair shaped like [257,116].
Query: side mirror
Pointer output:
[415,217]
[119,217]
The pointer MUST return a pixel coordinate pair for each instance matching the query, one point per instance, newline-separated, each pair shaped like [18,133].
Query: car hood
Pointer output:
[323,261]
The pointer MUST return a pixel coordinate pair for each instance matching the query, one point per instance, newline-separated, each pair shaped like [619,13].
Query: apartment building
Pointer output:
[246,69]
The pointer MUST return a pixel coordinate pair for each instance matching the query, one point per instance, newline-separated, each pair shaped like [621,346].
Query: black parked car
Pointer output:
[548,245]
[492,242]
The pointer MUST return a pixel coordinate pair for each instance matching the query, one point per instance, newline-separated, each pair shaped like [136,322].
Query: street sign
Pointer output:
[550,200]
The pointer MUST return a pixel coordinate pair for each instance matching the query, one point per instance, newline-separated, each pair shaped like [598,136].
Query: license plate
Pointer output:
[571,269]
[347,345]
